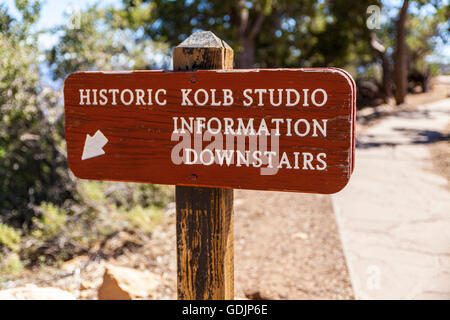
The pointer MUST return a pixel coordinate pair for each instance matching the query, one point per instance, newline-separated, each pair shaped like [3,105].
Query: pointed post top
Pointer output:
[203,39]
[202,50]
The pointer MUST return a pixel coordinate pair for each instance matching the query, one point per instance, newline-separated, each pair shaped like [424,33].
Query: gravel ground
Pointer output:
[287,246]
[440,152]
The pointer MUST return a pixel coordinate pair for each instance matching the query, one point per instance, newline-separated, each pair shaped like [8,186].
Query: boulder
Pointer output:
[32,292]
[122,283]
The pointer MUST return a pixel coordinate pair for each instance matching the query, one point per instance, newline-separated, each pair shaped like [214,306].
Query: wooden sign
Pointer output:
[266,129]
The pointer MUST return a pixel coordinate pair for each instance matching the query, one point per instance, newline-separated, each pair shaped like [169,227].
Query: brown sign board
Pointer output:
[263,129]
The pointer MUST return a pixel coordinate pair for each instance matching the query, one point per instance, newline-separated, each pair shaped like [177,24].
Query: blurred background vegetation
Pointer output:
[48,216]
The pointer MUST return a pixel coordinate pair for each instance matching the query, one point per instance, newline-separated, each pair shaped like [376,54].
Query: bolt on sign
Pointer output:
[265,129]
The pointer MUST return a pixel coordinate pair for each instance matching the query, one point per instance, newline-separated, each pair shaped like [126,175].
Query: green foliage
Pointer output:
[51,223]
[96,45]
[10,242]
[30,11]
[144,219]
[91,192]
[6,21]
[422,37]
[130,195]
[58,235]
[125,206]
[33,166]
[9,237]
[60,216]
[124,195]
[10,265]
[288,33]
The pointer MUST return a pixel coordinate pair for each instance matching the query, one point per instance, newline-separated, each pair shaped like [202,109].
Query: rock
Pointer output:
[32,292]
[121,283]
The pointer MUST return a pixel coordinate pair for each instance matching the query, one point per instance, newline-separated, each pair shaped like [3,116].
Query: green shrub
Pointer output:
[50,223]
[10,265]
[9,237]
[144,219]
[59,234]
[91,191]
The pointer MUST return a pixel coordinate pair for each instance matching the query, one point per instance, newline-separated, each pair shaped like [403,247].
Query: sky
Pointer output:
[53,13]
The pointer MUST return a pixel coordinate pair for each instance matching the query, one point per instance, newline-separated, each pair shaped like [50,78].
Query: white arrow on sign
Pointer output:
[93,145]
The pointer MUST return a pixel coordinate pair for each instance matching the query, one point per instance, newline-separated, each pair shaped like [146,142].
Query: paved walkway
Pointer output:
[394,216]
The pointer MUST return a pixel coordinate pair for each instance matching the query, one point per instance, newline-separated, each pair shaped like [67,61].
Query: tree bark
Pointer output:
[380,49]
[387,83]
[247,35]
[401,68]
[247,56]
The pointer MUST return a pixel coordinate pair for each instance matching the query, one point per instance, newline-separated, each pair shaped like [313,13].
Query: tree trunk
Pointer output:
[380,49]
[247,56]
[426,80]
[387,85]
[247,33]
[401,68]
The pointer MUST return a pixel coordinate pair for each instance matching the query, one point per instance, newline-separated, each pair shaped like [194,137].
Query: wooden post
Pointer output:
[205,255]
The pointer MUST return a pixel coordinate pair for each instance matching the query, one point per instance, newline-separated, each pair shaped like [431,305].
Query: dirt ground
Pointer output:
[370,115]
[287,246]
[440,152]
